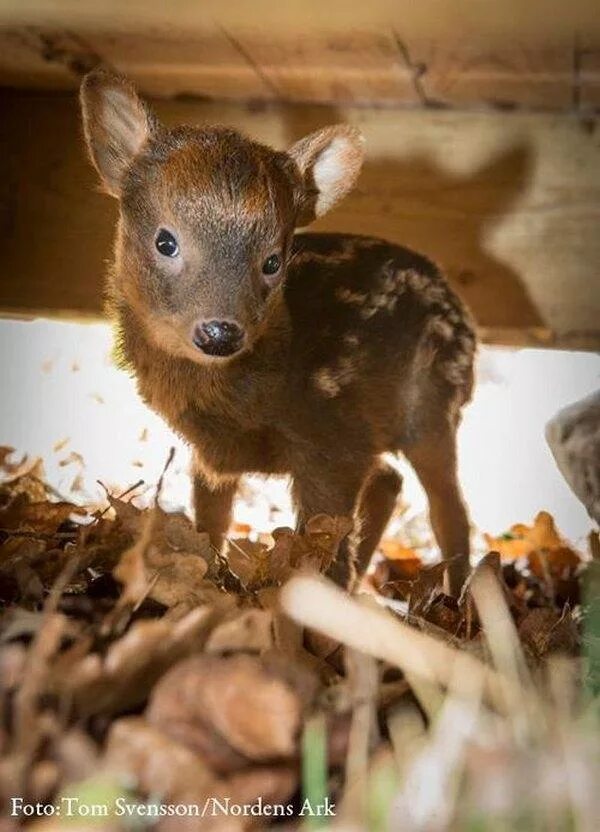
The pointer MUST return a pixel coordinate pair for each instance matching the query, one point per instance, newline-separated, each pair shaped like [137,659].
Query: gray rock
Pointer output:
[574,439]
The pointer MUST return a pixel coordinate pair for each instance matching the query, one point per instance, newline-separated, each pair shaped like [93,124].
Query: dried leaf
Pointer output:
[444,613]
[180,535]
[158,764]
[72,458]
[125,675]
[25,476]
[557,562]
[60,444]
[394,550]
[155,762]
[5,452]
[155,567]
[76,755]
[242,704]
[544,631]
[128,516]
[19,623]
[42,517]
[426,587]
[249,631]
[227,685]
[131,570]
[15,470]
[180,580]
[538,542]
[249,561]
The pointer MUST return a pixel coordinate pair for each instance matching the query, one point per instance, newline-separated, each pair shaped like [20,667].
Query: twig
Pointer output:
[159,485]
[318,604]
[40,535]
[120,497]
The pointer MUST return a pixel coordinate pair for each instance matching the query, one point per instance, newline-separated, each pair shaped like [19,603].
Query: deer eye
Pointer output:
[272,264]
[166,244]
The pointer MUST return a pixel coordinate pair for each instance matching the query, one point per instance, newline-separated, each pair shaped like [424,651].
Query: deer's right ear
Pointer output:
[329,162]
[116,124]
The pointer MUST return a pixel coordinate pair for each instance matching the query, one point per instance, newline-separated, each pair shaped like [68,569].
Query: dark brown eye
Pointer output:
[166,244]
[272,264]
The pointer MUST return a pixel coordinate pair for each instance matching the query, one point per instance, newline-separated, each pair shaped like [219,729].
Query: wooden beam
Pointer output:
[537,20]
[508,204]
[375,66]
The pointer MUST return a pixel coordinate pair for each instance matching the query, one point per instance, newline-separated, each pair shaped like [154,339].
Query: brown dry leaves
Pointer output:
[233,709]
[539,574]
[168,561]
[161,661]
[257,565]
[157,764]
[149,621]
[545,550]
[123,677]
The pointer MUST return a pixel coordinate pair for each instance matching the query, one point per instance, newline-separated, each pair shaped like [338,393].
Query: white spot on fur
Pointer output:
[331,380]
[368,311]
[326,382]
[350,297]
[441,327]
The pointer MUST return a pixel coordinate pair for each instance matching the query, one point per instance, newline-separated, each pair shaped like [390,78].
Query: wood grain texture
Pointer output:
[508,204]
[352,67]
[588,80]
[509,75]
[24,62]
[538,21]
[382,66]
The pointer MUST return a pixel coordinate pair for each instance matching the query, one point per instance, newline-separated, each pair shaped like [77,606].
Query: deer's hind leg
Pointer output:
[376,503]
[434,459]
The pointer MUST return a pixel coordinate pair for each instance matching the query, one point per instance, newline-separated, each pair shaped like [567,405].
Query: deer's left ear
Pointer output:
[116,125]
[329,162]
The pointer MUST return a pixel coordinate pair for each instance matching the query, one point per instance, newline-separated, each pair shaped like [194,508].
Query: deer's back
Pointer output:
[377,323]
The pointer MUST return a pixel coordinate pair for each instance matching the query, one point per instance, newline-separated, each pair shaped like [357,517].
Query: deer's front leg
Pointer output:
[321,488]
[213,507]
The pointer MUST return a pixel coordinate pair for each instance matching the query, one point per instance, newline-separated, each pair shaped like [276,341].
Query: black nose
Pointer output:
[218,337]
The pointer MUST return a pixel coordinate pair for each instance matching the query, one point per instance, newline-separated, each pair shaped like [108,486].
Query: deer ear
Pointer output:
[329,162]
[116,125]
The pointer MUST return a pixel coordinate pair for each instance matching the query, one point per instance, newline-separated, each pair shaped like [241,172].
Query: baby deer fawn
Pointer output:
[274,352]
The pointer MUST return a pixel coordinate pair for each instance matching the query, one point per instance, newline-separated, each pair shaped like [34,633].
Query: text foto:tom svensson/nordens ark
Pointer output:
[211,807]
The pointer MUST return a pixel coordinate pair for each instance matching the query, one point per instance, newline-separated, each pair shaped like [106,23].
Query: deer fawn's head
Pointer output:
[206,215]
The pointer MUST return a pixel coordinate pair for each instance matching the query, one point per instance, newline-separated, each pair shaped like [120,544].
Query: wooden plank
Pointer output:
[507,75]
[588,81]
[537,21]
[160,63]
[373,67]
[351,67]
[508,204]
[26,62]
[57,225]
[167,64]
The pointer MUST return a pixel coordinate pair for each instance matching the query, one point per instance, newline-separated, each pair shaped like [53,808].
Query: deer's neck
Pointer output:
[171,383]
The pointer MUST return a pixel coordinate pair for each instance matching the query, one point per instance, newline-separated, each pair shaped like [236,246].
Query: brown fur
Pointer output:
[357,348]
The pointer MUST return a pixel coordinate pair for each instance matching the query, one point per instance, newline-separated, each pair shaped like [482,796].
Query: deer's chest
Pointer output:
[230,446]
